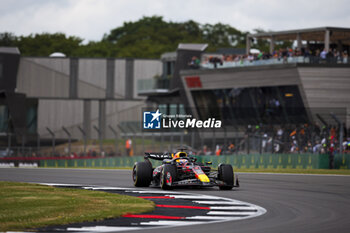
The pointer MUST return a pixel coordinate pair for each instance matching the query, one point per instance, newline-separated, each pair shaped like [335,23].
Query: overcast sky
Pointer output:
[90,19]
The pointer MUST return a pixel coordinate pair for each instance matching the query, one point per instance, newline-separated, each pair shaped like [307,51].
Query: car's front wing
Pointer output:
[196,182]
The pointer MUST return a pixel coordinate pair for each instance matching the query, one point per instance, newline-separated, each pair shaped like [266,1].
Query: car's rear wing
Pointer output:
[157,156]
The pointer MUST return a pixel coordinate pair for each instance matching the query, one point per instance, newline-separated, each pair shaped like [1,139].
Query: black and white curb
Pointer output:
[172,209]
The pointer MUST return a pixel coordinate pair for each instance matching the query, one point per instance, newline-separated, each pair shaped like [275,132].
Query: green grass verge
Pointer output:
[28,206]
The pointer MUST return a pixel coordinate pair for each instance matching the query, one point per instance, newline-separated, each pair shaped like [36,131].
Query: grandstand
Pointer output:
[40,95]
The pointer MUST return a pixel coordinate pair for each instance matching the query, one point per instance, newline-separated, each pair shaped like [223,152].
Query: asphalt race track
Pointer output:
[294,203]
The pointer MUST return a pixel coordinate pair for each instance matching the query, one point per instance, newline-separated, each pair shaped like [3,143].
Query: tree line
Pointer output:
[148,37]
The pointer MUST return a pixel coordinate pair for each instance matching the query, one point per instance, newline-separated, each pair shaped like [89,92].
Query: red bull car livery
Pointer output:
[180,170]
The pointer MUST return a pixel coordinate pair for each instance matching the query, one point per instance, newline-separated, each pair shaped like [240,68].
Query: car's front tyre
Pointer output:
[225,174]
[142,174]
[168,176]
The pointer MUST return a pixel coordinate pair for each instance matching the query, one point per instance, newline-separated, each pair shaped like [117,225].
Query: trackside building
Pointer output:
[43,94]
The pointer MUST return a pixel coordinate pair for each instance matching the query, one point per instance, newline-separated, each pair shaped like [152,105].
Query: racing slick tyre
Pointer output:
[142,174]
[168,176]
[225,174]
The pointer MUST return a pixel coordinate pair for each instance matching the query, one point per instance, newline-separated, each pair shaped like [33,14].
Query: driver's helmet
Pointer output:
[180,155]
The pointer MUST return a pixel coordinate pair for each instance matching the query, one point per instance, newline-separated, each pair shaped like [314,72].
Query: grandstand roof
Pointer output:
[195,47]
[310,34]
[12,50]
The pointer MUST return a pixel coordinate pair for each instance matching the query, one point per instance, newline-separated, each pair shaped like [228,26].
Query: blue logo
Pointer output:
[151,120]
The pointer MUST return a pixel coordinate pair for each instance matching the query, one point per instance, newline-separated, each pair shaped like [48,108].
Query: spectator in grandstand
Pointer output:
[317,148]
[345,56]
[264,143]
[330,56]
[294,146]
[284,55]
[276,147]
[231,148]
[237,58]
[194,63]
[331,152]
[337,56]
[307,53]
[203,151]
[215,61]
[250,57]
[323,54]
[218,150]
[208,152]
[260,56]
[290,52]
[315,56]
[228,58]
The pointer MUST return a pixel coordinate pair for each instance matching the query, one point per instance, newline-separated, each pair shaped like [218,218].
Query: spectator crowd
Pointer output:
[303,138]
[285,55]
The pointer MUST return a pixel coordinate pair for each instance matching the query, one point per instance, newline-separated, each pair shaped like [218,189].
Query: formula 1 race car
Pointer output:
[181,170]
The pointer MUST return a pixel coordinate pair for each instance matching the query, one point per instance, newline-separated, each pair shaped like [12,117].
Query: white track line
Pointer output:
[195,197]
[232,208]
[152,191]
[54,184]
[229,213]
[103,229]
[106,188]
[213,218]
[170,223]
[218,202]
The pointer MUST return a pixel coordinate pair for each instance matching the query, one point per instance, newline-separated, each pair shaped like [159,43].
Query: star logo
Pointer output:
[151,120]
[156,115]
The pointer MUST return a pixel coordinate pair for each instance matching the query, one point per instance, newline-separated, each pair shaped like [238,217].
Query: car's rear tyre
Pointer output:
[142,174]
[168,176]
[225,174]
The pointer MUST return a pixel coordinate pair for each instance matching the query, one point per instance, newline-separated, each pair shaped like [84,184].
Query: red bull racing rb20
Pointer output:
[181,170]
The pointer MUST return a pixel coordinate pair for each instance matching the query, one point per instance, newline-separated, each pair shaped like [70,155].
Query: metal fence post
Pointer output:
[225,139]
[143,140]
[69,140]
[84,137]
[124,132]
[116,138]
[298,139]
[214,142]
[53,140]
[236,139]
[341,132]
[38,144]
[248,143]
[9,144]
[99,138]
[23,143]
[260,142]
